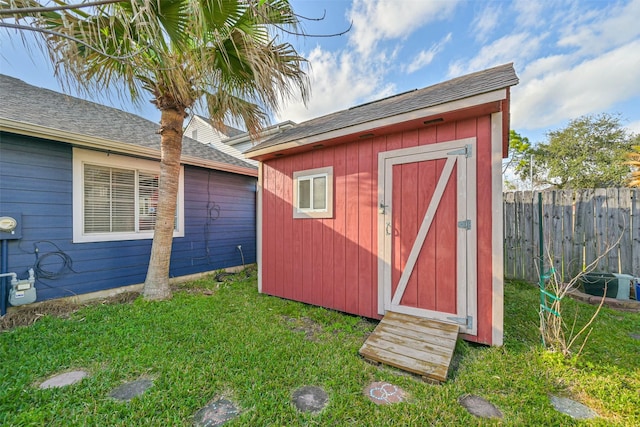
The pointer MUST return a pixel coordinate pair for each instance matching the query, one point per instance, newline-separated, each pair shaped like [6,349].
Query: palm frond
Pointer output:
[178,51]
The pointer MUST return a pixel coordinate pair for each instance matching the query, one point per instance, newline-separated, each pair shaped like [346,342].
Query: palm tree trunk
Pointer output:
[156,285]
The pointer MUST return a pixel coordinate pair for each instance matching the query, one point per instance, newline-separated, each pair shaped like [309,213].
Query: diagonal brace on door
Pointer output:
[424,229]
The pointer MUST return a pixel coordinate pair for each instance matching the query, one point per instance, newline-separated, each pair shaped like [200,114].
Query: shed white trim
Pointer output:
[497,266]
[259,224]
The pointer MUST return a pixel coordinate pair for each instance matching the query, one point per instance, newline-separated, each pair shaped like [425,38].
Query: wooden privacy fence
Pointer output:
[578,227]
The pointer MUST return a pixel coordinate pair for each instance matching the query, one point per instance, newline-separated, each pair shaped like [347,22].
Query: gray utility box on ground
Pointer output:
[617,285]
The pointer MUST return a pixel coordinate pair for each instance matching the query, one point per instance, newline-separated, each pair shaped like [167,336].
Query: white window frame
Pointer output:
[309,174]
[98,158]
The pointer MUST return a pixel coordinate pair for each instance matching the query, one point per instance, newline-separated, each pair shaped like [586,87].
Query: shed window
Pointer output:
[116,198]
[313,193]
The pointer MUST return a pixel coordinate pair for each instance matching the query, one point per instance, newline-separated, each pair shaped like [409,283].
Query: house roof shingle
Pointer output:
[22,102]
[452,90]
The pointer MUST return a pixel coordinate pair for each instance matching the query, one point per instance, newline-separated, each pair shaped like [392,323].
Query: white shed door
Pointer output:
[427,232]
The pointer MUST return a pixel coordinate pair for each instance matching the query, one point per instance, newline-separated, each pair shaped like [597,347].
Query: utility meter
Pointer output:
[8,224]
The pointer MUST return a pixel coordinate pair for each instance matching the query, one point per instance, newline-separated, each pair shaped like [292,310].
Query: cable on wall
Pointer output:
[39,268]
[212,214]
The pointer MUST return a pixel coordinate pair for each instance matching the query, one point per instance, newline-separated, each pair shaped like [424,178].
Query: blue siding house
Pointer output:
[81,179]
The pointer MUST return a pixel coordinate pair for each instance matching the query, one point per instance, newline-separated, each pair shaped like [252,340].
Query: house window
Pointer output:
[313,193]
[116,197]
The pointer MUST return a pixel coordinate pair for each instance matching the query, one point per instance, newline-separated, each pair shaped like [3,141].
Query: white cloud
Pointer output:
[376,20]
[589,87]
[344,78]
[517,48]
[485,22]
[529,13]
[603,29]
[543,66]
[425,57]
[338,80]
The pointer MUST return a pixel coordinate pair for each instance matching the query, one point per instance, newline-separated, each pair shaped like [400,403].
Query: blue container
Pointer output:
[637,291]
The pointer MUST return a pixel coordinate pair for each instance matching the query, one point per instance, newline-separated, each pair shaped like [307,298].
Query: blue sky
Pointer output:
[572,57]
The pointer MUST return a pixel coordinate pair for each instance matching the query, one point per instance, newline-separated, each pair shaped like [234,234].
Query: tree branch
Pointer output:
[324,15]
[295,33]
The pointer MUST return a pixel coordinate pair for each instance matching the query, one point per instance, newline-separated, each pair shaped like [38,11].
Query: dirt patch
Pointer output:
[191,290]
[64,308]
[309,327]
[28,315]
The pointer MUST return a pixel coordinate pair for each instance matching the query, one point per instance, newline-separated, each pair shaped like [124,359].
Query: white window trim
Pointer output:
[314,213]
[98,158]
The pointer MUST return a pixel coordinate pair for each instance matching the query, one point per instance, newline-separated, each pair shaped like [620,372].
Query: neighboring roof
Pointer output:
[227,130]
[44,113]
[215,141]
[467,86]
[264,133]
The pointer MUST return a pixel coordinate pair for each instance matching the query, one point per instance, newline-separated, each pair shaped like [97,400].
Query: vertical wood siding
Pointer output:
[579,226]
[333,262]
[36,181]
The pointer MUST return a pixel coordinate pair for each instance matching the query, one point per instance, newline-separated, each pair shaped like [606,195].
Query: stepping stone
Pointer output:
[479,407]
[575,410]
[64,379]
[310,399]
[130,390]
[215,414]
[383,393]
[635,336]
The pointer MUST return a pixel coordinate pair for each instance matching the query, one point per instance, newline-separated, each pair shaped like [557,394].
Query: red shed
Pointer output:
[393,205]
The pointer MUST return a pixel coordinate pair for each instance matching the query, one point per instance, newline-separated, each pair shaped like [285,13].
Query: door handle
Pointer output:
[388,229]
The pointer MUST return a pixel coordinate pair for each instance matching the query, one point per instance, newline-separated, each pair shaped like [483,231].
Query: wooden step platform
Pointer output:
[414,344]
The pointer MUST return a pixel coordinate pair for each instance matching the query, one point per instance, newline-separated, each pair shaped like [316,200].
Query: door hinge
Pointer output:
[466,224]
[466,321]
[467,151]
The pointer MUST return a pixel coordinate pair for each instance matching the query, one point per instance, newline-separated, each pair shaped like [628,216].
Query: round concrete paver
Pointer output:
[635,336]
[215,414]
[310,399]
[383,393]
[64,379]
[130,390]
[479,407]
[575,410]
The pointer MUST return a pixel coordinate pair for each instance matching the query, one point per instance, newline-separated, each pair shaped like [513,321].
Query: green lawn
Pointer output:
[226,340]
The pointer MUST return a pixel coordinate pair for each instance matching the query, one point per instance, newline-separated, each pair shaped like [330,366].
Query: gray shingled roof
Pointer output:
[451,90]
[25,103]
